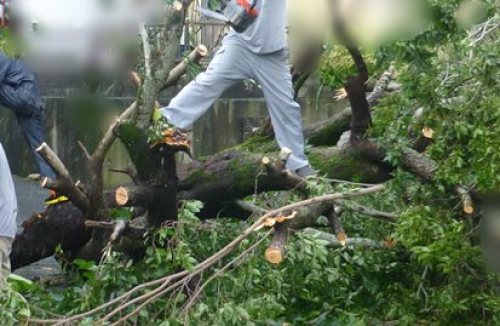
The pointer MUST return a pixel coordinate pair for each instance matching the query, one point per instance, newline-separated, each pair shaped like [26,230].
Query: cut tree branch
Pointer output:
[250,208]
[217,181]
[275,252]
[380,87]
[53,160]
[355,85]
[168,40]
[178,71]
[467,202]
[390,217]
[65,184]
[118,227]
[417,163]
[350,242]
[334,221]
[147,50]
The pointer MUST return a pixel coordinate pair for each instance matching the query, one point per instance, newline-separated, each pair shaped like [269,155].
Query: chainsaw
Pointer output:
[239,14]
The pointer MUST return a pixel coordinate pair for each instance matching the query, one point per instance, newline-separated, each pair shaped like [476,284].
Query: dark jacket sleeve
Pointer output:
[14,72]
[5,65]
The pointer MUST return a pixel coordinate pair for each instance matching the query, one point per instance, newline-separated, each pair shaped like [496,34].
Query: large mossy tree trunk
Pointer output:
[218,181]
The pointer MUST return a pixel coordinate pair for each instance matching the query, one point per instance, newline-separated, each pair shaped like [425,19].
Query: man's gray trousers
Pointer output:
[233,63]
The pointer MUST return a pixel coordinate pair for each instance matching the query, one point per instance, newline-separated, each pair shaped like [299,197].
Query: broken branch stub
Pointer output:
[175,140]
[200,52]
[121,196]
[334,221]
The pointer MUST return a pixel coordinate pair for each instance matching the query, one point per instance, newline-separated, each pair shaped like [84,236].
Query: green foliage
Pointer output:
[15,307]
[456,82]
[432,275]
[154,132]
[259,144]
[7,43]
[122,214]
[337,65]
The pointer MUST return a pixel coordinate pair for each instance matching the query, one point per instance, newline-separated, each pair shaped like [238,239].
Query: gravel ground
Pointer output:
[30,198]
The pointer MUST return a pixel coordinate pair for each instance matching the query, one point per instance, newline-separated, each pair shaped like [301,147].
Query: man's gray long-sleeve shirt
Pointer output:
[268,33]
[8,201]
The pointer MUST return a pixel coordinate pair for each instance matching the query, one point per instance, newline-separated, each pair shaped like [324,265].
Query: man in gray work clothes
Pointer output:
[8,215]
[259,53]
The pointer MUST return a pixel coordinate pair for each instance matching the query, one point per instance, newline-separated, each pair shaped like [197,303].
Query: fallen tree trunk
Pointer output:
[217,182]
[61,225]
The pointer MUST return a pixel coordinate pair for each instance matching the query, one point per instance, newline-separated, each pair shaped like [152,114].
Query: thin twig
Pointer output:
[221,271]
[348,182]
[84,150]
[391,217]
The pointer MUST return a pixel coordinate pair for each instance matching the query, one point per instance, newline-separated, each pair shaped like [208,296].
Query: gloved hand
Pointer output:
[250,7]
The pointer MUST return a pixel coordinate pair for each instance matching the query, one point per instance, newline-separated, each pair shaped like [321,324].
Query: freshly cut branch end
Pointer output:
[334,221]
[175,140]
[275,253]
[121,196]
[342,238]
[468,207]
[467,202]
[266,161]
[273,221]
[428,132]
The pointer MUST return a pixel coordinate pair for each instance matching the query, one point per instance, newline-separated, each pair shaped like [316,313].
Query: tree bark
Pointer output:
[62,225]
[216,181]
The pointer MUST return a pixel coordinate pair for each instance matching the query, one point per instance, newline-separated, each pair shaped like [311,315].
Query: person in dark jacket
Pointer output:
[19,93]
